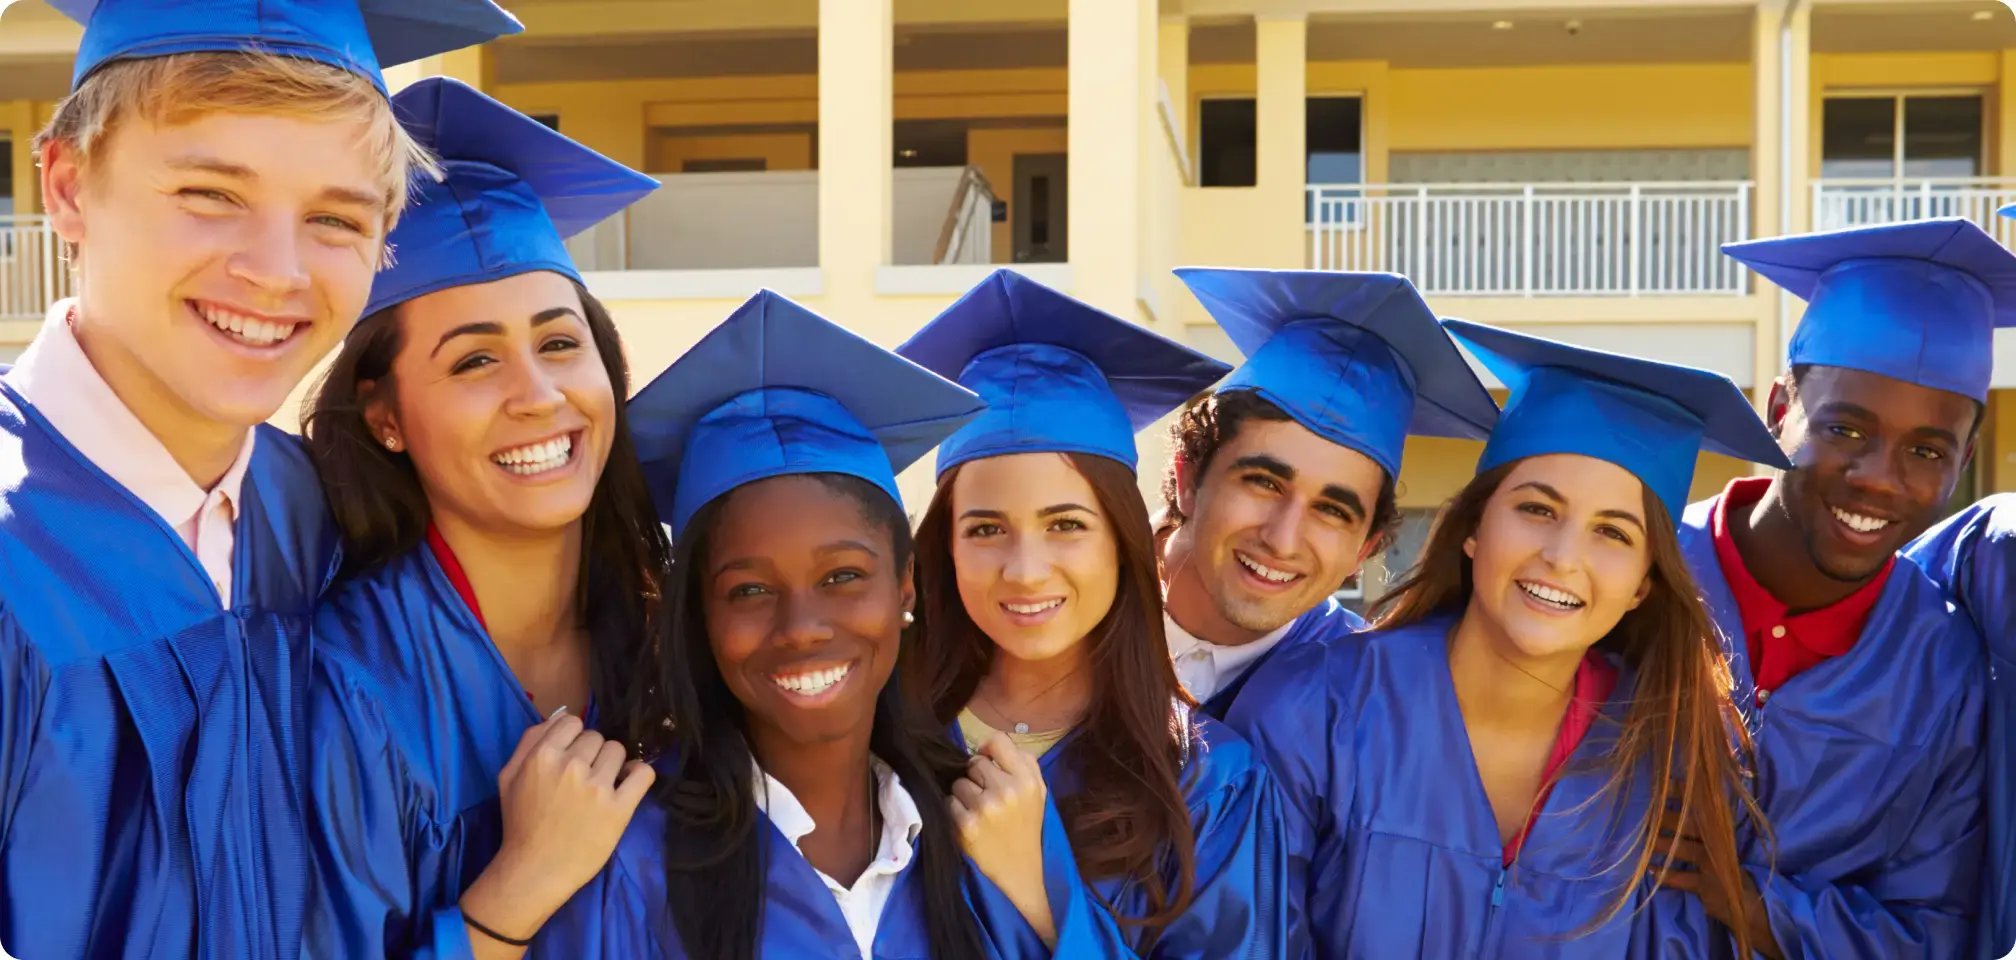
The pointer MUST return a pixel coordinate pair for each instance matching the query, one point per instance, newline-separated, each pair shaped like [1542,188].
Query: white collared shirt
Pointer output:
[58,379]
[861,904]
[1205,667]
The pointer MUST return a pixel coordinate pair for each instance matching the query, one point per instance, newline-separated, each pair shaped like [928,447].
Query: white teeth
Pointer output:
[536,457]
[814,683]
[1546,594]
[251,330]
[1032,608]
[1858,522]
[1267,572]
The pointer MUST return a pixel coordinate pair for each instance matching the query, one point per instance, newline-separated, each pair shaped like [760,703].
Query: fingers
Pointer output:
[1682,880]
[529,741]
[561,731]
[1005,754]
[968,794]
[962,817]
[638,777]
[987,774]
[608,762]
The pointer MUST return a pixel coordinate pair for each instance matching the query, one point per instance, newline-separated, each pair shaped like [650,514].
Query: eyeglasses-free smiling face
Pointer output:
[1280,520]
[503,402]
[1037,563]
[804,606]
[1560,555]
[221,258]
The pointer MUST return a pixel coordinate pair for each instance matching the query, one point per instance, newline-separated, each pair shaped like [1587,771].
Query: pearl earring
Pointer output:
[909,618]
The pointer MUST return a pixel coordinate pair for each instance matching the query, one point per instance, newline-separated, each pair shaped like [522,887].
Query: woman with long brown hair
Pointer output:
[1536,733]
[501,556]
[1043,638]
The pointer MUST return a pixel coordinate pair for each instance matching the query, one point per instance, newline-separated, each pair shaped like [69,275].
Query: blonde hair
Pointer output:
[177,88]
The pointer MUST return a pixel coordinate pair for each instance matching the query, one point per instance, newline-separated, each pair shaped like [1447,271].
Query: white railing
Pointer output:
[966,236]
[1854,203]
[1539,239]
[32,272]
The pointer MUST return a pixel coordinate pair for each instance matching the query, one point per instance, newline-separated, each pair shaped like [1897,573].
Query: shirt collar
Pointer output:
[1228,660]
[901,822]
[1830,630]
[56,377]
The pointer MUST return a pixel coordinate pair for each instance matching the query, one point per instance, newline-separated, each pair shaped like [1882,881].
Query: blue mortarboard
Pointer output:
[777,389]
[1648,417]
[1916,301]
[362,36]
[1358,358]
[512,190]
[1057,374]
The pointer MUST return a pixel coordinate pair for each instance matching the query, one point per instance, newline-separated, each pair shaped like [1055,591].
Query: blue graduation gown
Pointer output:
[623,913]
[1328,618]
[151,772]
[1238,909]
[413,714]
[1869,770]
[1972,556]
[1394,850]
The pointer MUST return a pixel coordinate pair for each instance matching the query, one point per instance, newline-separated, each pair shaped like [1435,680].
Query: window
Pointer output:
[725,165]
[6,177]
[1896,136]
[1335,152]
[550,120]
[1226,135]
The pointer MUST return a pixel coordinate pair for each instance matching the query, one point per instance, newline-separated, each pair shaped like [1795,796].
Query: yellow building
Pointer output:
[1562,166]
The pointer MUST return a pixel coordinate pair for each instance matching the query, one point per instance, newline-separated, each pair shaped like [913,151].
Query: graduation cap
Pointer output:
[1057,374]
[512,190]
[1916,301]
[777,389]
[362,36]
[1648,417]
[1357,358]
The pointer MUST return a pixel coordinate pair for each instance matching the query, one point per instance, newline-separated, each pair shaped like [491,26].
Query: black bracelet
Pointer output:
[492,934]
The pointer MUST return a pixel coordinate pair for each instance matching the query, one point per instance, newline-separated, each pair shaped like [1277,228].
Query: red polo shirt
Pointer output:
[1783,644]
[1595,680]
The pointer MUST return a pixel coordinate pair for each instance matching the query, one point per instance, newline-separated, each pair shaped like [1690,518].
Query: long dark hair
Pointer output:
[1680,718]
[1130,819]
[714,865]
[376,498]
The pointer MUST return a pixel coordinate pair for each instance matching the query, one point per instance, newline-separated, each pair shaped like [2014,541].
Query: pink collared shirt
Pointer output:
[57,378]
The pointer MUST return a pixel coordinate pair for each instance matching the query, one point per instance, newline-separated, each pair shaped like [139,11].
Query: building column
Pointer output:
[19,120]
[2005,119]
[1111,53]
[471,65]
[1172,64]
[1781,202]
[856,143]
[1281,56]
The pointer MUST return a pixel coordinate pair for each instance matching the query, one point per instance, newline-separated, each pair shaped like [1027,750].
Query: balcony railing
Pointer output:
[1536,240]
[1855,203]
[32,272]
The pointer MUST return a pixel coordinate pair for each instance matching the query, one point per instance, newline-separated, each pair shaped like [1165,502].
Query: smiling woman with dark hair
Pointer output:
[501,556]
[1043,645]
[800,810]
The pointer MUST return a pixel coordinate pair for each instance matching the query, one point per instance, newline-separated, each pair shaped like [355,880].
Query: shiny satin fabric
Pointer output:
[1393,847]
[623,913]
[412,714]
[1972,556]
[151,767]
[1329,618]
[1870,772]
[1238,910]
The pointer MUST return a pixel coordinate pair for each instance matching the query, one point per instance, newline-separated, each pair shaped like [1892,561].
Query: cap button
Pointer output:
[1778,632]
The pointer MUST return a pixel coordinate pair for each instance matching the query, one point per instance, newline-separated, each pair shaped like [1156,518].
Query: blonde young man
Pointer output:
[223,179]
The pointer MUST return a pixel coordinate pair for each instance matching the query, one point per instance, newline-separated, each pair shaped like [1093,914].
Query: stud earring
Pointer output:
[909,618]
[391,442]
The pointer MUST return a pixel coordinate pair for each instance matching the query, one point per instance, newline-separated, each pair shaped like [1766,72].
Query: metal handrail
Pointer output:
[957,216]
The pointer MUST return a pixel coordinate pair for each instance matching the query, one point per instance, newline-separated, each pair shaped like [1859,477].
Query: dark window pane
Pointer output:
[1942,136]
[1858,137]
[1039,209]
[6,178]
[1225,143]
[725,165]
[551,120]
[930,143]
[1334,128]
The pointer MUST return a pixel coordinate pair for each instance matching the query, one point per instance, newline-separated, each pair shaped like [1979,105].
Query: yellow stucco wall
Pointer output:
[668,151]
[1572,107]
[2000,441]
[993,150]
